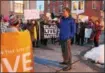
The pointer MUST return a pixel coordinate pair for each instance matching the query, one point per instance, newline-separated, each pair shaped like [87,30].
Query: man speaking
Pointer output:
[67,31]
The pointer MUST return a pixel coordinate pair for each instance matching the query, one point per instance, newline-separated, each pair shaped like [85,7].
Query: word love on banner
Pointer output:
[31,14]
[16,53]
[51,31]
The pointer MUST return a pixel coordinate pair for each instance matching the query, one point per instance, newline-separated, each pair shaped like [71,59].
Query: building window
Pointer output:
[103,5]
[28,4]
[94,4]
[61,8]
[48,2]
[75,5]
[11,5]
[18,6]
[78,7]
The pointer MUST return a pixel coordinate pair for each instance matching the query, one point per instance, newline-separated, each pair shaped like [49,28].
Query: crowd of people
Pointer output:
[96,28]
[75,34]
[14,24]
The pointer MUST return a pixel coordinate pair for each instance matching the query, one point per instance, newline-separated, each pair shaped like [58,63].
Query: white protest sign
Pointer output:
[88,32]
[31,14]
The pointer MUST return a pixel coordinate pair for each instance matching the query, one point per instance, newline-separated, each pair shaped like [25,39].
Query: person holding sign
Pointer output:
[67,31]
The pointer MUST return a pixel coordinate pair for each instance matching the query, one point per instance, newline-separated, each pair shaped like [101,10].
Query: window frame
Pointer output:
[11,6]
[94,5]
[48,2]
[60,8]
[75,9]
[19,6]
[103,6]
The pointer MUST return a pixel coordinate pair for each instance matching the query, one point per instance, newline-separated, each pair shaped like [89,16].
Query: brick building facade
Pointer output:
[90,8]
[93,10]
[55,6]
[16,6]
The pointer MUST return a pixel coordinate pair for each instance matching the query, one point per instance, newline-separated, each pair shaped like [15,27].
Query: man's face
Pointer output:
[65,13]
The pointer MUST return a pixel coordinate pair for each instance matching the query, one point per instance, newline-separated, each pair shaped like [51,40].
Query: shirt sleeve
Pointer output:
[73,28]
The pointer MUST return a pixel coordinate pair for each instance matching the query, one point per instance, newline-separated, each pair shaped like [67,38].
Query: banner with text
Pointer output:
[51,31]
[16,52]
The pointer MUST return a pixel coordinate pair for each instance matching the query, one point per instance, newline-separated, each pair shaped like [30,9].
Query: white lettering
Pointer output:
[25,68]
[8,66]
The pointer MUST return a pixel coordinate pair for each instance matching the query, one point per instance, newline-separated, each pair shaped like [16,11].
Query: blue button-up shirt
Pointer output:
[67,28]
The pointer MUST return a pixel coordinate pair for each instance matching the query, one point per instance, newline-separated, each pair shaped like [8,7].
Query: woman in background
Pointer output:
[96,33]
[45,21]
[31,26]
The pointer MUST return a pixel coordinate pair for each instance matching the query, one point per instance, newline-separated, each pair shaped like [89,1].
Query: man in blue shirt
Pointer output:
[67,31]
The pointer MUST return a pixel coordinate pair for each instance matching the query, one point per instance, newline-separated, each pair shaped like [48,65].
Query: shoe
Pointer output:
[64,63]
[67,68]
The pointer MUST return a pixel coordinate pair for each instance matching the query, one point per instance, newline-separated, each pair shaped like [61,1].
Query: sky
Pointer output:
[40,5]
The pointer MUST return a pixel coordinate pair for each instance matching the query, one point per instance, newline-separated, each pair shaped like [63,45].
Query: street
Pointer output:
[52,36]
[47,59]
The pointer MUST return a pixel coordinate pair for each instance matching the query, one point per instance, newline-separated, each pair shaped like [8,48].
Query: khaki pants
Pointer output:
[66,50]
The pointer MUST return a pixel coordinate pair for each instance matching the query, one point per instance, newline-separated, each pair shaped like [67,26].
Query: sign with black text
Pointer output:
[51,31]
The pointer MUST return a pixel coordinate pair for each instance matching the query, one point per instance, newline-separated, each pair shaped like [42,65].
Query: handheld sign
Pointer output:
[31,14]
[16,52]
[51,31]
[88,32]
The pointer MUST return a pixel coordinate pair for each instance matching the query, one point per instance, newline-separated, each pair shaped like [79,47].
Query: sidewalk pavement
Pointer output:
[46,59]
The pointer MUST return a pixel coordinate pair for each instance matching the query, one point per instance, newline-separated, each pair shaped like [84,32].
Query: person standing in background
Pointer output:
[88,30]
[52,17]
[43,22]
[21,24]
[96,33]
[13,25]
[31,26]
[11,14]
[77,32]
[67,32]
[82,32]
[4,23]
